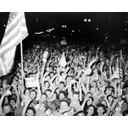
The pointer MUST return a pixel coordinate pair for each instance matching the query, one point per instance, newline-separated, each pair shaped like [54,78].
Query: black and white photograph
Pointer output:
[63,63]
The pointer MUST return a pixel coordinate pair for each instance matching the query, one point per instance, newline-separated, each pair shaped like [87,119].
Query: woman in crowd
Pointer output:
[71,81]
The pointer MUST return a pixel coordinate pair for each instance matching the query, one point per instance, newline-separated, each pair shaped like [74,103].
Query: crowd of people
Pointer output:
[71,80]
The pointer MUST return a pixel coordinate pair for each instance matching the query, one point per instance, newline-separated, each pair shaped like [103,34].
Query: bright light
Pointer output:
[4,25]
[54,36]
[64,26]
[89,20]
[72,30]
[79,30]
[97,28]
[126,22]
[125,29]
[85,20]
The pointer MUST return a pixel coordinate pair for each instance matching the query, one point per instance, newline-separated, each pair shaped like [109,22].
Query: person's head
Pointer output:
[1,90]
[75,96]
[30,111]
[46,84]
[61,85]
[51,68]
[64,104]
[104,103]
[125,113]
[53,107]
[124,106]
[101,109]
[91,110]
[6,108]
[95,70]
[80,113]
[27,92]
[94,84]
[51,74]
[4,81]
[110,98]
[107,61]
[62,95]
[33,94]
[89,94]
[43,106]
[47,77]
[109,90]
[90,101]
[12,102]
[48,93]
[43,97]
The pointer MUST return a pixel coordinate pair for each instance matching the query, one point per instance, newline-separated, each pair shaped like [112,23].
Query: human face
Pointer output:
[110,98]
[90,110]
[4,83]
[46,84]
[124,106]
[43,98]
[126,96]
[89,101]
[1,91]
[51,75]
[47,78]
[75,97]
[107,61]
[104,103]
[13,103]
[42,107]
[61,96]
[32,95]
[109,91]
[30,113]
[61,86]
[100,110]
[6,109]
[63,105]
[94,84]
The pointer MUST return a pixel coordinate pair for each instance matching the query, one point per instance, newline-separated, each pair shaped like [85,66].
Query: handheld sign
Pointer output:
[31,82]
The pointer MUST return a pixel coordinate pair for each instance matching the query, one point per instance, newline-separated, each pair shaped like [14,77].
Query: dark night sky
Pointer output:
[107,22]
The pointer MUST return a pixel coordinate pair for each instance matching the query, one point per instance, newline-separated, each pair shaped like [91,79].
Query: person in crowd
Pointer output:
[70,81]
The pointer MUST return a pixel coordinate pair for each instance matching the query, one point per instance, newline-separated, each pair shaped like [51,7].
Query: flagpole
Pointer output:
[21,53]
[21,49]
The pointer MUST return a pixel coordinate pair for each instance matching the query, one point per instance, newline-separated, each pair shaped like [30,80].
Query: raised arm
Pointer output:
[26,106]
[7,93]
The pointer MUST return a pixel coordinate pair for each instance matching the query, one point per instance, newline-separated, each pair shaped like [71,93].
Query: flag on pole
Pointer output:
[62,61]
[118,74]
[15,32]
